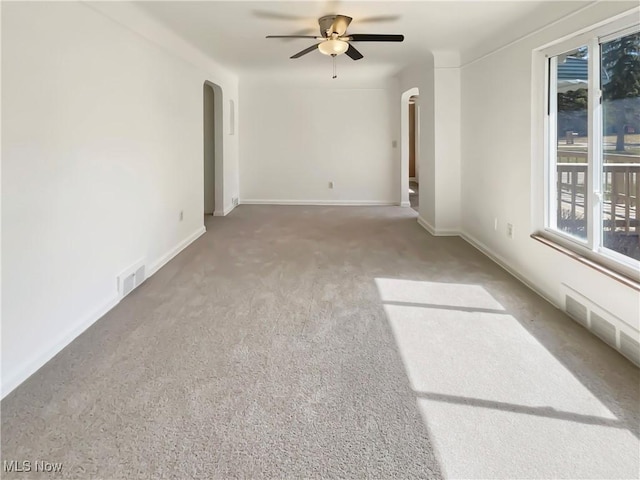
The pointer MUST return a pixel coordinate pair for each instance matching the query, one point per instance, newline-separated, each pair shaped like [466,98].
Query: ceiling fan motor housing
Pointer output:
[330,24]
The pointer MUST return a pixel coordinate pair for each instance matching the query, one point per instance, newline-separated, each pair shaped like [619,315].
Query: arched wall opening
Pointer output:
[405,145]
[213,161]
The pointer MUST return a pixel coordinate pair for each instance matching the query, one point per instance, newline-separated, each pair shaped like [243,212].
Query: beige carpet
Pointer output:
[337,342]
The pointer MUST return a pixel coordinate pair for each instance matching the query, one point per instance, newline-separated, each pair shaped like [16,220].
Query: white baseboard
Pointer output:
[405,204]
[164,259]
[426,225]
[11,381]
[502,262]
[488,253]
[318,202]
[437,232]
[225,212]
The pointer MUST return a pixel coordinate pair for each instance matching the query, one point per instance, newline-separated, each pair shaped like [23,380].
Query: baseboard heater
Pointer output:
[601,323]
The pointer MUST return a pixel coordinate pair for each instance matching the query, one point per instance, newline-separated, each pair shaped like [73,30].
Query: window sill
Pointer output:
[623,278]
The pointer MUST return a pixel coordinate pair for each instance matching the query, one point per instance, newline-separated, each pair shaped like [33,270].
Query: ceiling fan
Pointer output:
[335,40]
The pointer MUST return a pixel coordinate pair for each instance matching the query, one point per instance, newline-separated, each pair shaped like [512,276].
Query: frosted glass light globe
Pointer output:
[333,47]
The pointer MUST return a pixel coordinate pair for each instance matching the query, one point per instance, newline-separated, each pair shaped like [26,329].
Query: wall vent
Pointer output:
[605,330]
[602,323]
[140,275]
[128,284]
[576,310]
[630,348]
[131,278]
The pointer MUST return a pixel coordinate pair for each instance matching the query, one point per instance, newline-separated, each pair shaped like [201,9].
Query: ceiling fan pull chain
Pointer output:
[335,75]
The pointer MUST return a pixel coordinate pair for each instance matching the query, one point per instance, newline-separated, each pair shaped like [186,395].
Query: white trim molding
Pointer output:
[426,225]
[14,379]
[225,212]
[344,203]
[504,264]
[167,257]
[437,232]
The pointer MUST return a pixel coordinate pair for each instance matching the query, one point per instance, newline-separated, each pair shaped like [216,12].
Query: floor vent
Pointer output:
[602,323]
[130,279]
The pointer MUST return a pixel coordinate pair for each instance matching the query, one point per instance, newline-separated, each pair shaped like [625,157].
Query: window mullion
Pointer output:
[593,186]
[552,148]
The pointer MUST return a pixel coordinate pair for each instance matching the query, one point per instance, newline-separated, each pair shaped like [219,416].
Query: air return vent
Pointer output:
[605,330]
[131,278]
[576,310]
[140,275]
[630,348]
[128,284]
[610,328]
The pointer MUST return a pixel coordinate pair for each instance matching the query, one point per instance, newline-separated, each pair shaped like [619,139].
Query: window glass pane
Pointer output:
[572,142]
[620,84]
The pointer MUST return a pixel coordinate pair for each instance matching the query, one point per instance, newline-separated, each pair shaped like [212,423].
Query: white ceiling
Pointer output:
[233,32]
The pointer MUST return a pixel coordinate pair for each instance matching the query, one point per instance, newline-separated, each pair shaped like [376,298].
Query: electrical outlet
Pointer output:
[181,215]
[330,184]
[509,230]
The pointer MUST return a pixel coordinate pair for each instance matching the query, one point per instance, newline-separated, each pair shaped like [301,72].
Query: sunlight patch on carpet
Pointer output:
[496,402]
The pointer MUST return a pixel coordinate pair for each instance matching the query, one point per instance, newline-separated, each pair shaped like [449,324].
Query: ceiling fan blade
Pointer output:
[305,51]
[304,31]
[367,37]
[292,36]
[379,19]
[298,34]
[353,53]
[276,15]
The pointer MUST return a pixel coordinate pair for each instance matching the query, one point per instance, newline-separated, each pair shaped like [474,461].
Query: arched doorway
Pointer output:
[408,143]
[212,142]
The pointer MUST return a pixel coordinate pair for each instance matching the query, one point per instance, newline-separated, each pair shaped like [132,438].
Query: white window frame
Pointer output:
[544,170]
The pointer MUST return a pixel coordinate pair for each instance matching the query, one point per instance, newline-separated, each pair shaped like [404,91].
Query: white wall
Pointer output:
[421,75]
[225,82]
[298,137]
[101,149]
[497,172]
[447,111]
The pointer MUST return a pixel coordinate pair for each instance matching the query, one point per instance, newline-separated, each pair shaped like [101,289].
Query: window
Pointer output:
[592,128]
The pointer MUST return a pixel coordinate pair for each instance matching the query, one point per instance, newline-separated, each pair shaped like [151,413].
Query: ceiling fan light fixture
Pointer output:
[333,47]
